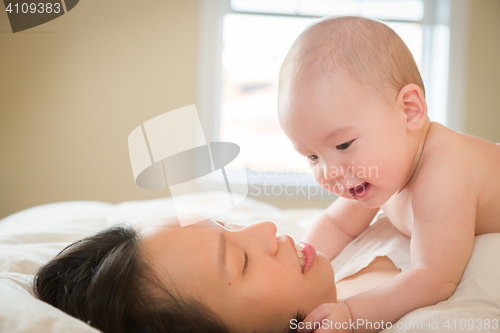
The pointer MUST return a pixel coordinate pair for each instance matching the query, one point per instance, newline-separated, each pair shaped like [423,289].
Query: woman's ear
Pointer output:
[411,101]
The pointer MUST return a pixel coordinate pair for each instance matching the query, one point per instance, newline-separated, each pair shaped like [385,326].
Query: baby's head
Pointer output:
[353,78]
[366,50]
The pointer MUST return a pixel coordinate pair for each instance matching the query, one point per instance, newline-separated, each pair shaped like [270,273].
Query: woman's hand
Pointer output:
[329,317]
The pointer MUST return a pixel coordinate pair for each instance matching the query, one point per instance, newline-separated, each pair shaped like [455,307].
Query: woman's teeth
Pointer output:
[302,257]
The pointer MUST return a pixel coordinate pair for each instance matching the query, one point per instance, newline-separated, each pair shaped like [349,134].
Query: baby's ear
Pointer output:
[411,101]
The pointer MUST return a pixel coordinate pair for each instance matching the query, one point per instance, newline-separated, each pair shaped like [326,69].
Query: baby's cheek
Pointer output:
[332,186]
[320,179]
[316,171]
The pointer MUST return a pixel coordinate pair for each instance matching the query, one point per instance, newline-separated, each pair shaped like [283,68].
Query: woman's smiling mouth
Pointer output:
[306,254]
[300,253]
[310,255]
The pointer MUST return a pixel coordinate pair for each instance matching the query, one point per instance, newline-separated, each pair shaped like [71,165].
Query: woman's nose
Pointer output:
[263,235]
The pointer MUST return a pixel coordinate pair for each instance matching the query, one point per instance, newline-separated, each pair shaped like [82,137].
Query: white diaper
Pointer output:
[380,239]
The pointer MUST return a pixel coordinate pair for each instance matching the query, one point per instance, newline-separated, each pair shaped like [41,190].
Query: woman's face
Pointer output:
[206,261]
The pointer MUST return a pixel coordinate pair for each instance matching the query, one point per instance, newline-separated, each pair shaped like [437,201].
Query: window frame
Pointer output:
[452,15]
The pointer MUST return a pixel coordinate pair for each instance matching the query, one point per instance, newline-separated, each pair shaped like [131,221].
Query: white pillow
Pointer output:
[28,239]
[21,312]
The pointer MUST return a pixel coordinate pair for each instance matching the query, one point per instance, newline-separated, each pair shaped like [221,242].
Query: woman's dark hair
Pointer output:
[103,280]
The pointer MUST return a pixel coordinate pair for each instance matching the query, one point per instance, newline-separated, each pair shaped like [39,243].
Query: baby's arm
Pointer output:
[444,211]
[339,224]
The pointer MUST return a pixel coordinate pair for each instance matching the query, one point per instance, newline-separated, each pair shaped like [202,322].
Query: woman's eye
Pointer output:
[222,223]
[344,146]
[246,263]
[312,158]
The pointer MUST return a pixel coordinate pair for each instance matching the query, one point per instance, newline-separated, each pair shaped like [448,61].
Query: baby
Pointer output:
[352,101]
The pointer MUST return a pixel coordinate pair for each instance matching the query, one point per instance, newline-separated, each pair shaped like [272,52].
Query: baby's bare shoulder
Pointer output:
[462,167]
[474,154]
[444,151]
[445,167]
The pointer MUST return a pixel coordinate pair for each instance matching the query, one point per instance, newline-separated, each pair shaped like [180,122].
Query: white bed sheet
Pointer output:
[474,304]
[31,237]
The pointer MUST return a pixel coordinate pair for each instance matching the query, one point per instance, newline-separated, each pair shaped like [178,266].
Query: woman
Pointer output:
[205,277]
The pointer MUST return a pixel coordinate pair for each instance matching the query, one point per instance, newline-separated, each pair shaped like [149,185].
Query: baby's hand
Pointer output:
[329,317]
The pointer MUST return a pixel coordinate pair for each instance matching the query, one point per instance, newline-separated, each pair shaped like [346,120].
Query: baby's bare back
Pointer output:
[467,156]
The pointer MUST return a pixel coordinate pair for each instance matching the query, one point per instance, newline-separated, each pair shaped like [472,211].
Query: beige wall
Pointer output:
[73,89]
[483,109]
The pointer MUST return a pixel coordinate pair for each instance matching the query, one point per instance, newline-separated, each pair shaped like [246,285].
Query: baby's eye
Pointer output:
[312,158]
[344,146]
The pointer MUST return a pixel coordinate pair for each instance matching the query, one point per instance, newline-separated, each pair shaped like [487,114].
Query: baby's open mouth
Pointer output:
[358,189]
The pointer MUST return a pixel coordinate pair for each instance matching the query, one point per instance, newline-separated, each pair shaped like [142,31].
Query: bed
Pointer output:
[31,237]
